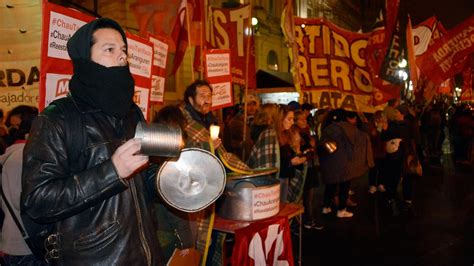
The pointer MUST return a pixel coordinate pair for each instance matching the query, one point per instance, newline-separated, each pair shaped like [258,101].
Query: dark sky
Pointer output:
[449,12]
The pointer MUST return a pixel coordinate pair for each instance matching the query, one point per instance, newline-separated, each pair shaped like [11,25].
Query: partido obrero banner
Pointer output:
[218,73]
[59,24]
[332,66]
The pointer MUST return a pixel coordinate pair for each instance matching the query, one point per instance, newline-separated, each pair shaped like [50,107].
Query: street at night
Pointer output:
[439,230]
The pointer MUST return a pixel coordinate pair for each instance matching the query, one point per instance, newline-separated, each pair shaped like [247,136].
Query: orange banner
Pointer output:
[332,65]
[446,57]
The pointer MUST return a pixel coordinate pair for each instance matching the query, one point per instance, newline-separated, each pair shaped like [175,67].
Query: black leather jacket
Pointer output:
[102,219]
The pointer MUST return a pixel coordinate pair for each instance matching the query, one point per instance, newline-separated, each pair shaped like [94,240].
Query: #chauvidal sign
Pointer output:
[160,50]
[218,73]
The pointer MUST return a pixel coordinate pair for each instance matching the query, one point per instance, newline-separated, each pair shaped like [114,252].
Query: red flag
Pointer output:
[264,243]
[422,35]
[188,10]
[156,17]
[447,56]
[376,47]
[411,55]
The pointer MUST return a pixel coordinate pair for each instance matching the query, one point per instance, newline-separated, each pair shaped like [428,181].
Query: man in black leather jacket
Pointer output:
[96,190]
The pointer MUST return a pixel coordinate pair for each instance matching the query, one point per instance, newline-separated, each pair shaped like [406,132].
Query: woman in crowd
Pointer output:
[265,152]
[288,158]
[374,129]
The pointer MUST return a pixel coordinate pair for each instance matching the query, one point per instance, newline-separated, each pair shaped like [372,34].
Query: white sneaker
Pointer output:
[372,189]
[381,188]
[326,210]
[344,214]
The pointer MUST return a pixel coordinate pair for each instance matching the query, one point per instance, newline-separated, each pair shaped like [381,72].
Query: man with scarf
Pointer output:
[97,188]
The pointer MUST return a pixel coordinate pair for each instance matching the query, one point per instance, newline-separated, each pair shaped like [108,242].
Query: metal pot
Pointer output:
[250,197]
[193,182]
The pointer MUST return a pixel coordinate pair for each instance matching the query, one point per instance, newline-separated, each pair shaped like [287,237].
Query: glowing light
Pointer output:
[254,21]
[403,63]
[402,74]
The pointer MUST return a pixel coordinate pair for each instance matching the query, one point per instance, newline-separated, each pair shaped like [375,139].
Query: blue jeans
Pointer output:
[27,260]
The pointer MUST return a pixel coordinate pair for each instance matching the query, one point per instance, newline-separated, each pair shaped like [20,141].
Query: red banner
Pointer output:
[444,58]
[59,24]
[217,72]
[332,65]
[228,29]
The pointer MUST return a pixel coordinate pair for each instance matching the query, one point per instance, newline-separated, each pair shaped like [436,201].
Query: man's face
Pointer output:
[301,121]
[252,108]
[109,48]
[203,100]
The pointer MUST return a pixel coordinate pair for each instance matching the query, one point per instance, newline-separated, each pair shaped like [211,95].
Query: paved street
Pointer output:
[440,231]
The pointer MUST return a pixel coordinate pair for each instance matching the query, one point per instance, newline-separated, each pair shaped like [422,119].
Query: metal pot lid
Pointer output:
[193,182]
[255,173]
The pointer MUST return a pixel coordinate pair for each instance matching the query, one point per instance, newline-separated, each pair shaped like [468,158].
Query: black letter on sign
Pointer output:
[10,73]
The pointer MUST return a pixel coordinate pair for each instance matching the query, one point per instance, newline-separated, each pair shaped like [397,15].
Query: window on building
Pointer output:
[272,61]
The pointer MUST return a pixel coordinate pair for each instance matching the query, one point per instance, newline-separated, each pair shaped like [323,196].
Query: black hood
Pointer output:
[79,45]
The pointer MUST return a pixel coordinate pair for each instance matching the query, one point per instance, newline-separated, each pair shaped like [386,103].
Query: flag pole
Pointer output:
[188,25]
[247,59]
[203,34]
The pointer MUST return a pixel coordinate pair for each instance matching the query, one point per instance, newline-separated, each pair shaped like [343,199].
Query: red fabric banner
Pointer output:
[332,65]
[228,29]
[267,242]
[375,51]
[422,35]
[443,59]
[157,17]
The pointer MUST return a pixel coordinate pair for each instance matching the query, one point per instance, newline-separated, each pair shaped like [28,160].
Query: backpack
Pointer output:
[43,239]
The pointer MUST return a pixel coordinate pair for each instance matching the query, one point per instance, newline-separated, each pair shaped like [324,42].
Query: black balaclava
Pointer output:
[107,88]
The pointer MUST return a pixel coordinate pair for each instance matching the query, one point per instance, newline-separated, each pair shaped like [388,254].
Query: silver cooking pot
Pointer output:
[192,182]
[250,197]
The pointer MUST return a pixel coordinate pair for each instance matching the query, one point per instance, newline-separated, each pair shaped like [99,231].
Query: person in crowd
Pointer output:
[374,129]
[3,133]
[432,121]
[399,144]
[94,188]
[198,115]
[320,117]
[234,132]
[288,156]
[14,118]
[308,146]
[12,243]
[350,158]
[174,229]
[463,132]
[265,152]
